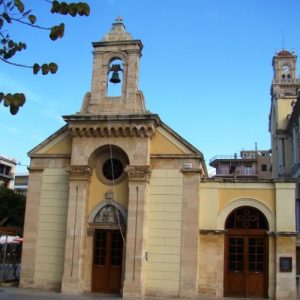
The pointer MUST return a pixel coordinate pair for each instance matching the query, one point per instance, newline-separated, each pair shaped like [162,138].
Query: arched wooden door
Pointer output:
[246,254]
[108,251]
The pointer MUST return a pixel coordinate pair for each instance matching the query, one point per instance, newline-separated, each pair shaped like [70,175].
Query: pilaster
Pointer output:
[31,227]
[79,183]
[190,235]
[137,224]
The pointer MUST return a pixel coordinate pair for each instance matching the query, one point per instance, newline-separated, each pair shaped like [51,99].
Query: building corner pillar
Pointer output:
[137,224]
[79,182]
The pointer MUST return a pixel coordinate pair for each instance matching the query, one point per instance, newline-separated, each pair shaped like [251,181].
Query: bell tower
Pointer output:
[283,96]
[116,60]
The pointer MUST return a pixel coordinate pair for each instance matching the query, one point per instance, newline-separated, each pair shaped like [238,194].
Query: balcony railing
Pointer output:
[238,173]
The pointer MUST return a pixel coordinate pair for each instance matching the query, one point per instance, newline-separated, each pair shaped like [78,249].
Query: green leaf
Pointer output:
[57,32]
[83,9]
[19,4]
[53,67]
[18,99]
[8,99]
[73,9]
[32,19]
[45,69]
[55,7]
[13,109]
[36,68]
[64,8]
[11,43]
[1,96]
[6,17]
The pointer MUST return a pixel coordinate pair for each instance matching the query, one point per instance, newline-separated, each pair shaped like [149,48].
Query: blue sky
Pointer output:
[206,69]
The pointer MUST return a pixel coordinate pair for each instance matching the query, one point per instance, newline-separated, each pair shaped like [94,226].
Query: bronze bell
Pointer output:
[115,75]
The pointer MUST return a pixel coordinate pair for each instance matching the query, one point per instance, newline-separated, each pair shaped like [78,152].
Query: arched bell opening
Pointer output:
[115,78]
[246,253]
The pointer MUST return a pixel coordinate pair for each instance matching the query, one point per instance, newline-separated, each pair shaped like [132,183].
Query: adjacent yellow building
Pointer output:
[120,203]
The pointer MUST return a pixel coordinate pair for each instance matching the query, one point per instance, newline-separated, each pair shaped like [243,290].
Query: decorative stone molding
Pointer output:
[211,231]
[282,233]
[35,169]
[129,125]
[79,172]
[138,173]
[114,130]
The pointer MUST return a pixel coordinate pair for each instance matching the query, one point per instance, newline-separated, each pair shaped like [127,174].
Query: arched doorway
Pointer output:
[246,253]
[108,250]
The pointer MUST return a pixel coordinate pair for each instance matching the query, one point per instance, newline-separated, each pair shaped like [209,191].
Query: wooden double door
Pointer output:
[246,264]
[107,261]
[246,254]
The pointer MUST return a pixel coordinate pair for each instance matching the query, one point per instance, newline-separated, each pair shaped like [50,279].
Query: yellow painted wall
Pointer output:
[98,190]
[164,230]
[215,198]
[164,143]
[285,206]
[52,225]
[61,145]
[265,196]
[284,109]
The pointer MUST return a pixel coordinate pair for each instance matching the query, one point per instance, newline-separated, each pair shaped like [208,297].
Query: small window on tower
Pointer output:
[264,168]
[115,78]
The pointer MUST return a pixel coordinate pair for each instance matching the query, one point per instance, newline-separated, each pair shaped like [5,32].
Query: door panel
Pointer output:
[107,261]
[256,267]
[235,273]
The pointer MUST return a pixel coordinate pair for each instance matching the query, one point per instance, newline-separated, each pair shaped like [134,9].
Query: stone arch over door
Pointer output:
[246,253]
[246,202]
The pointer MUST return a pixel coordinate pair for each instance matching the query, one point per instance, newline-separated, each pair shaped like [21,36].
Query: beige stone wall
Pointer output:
[164,233]
[211,265]
[50,245]
[285,281]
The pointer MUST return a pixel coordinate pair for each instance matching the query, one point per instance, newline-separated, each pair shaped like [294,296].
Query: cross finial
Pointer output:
[119,19]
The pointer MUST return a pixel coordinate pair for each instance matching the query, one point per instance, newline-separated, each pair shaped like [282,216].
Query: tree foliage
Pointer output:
[14,11]
[12,208]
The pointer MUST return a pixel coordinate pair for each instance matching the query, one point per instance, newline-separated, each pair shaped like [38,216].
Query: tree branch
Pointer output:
[29,24]
[15,64]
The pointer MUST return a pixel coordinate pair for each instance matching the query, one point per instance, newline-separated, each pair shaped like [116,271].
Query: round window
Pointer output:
[112,169]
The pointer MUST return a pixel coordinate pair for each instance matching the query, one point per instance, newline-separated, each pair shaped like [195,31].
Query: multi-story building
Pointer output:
[21,183]
[248,164]
[7,171]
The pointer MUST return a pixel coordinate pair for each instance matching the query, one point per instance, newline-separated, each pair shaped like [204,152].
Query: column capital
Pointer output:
[138,173]
[79,172]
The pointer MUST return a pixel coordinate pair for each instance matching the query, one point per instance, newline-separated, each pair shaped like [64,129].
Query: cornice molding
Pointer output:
[79,172]
[143,125]
[138,173]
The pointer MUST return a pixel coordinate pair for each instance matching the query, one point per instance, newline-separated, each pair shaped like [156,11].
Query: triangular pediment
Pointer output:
[59,143]
[167,141]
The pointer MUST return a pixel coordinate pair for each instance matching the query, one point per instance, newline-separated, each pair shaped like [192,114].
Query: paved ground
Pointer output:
[13,293]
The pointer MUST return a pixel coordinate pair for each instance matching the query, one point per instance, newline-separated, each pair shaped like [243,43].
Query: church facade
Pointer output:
[118,202]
